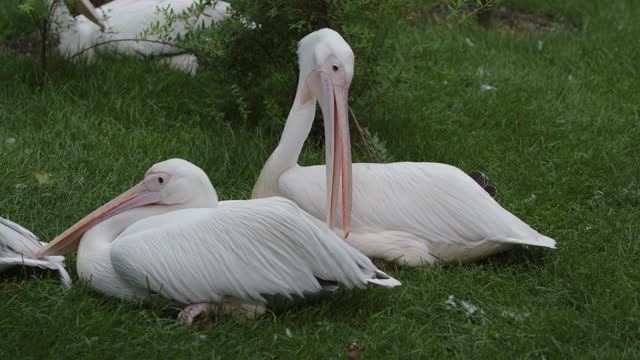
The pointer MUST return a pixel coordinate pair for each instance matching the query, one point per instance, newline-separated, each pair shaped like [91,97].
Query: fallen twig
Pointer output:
[364,140]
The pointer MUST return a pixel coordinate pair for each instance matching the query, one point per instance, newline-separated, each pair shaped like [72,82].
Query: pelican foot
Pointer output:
[192,311]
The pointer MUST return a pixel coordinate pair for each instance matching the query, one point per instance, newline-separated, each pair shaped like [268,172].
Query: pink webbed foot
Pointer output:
[189,313]
[192,311]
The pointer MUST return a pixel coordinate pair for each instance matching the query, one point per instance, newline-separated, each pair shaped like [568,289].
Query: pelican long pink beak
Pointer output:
[89,11]
[69,240]
[337,152]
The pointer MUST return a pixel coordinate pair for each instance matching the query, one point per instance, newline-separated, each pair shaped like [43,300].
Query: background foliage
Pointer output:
[259,64]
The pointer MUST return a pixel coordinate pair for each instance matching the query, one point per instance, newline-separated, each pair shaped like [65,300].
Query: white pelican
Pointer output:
[18,246]
[128,19]
[167,236]
[413,213]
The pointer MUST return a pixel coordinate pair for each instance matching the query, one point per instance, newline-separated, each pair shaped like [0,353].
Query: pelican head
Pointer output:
[175,182]
[326,69]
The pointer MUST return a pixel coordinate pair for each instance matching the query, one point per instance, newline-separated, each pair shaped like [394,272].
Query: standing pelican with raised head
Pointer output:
[167,236]
[18,246]
[413,213]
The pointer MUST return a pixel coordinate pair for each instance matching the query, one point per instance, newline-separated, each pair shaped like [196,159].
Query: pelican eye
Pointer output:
[160,180]
[335,68]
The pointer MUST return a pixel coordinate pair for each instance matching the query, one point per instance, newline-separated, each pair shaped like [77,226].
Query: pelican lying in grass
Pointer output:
[167,236]
[119,20]
[18,246]
[411,212]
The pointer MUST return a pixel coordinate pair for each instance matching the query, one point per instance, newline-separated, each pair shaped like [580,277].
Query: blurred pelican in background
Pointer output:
[119,20]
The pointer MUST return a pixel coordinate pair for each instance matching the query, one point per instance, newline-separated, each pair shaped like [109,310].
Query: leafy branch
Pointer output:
[43,23]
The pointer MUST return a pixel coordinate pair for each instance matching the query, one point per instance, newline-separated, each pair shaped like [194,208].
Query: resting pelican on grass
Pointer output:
[18,246]
[167,236]
[413,213]
[128,19]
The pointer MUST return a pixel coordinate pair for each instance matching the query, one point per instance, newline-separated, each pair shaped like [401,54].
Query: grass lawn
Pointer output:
[559,134]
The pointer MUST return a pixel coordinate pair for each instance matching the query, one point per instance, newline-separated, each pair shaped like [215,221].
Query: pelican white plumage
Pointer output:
[413,213]
[166,235]
[18,246]
[121,20]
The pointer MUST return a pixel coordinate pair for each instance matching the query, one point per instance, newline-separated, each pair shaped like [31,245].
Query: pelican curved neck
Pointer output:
[285,156]
[108,230]
[296,130]
[94,252]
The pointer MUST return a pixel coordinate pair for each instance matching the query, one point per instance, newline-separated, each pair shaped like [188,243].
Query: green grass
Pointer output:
[559,135]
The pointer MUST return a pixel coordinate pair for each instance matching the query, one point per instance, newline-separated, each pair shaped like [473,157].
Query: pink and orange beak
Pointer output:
[86,8]
[69,240]
[335,109]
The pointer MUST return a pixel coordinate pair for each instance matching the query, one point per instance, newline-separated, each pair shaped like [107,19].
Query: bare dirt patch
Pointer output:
[500,18]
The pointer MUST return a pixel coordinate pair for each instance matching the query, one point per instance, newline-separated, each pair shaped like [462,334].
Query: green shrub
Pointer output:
[254,69]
